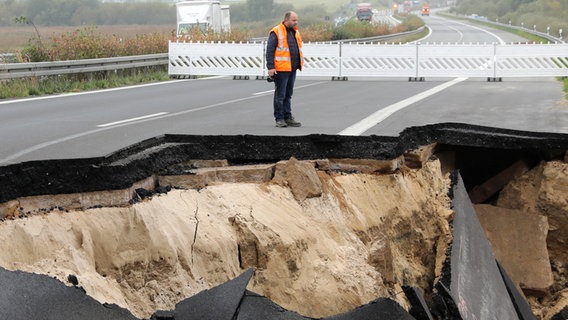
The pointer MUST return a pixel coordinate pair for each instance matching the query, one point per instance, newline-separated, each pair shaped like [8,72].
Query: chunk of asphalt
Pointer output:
[379,309]
[418,307]
[471,276]
[221,302]
[25,295]
[73,279]
[562,315]
[256,307]
[521,305]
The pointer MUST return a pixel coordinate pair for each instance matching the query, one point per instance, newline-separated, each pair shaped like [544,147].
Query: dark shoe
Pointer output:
[281,124]
[293,123]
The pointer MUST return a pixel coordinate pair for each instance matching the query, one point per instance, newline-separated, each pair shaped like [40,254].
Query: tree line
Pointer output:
[85,12]
[551,13]
[94,12]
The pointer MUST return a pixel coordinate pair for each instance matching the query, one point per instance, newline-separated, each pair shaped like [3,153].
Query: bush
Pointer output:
[412,22]
[33,52]
[354,29]
[87,43]
[317,33]
[196,35]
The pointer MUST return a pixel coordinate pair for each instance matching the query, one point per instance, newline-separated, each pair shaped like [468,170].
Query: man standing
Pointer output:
[283,57]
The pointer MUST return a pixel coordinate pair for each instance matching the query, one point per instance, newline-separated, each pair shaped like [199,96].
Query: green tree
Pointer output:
[314,15]
[86,12]
[56,12]
[259,10]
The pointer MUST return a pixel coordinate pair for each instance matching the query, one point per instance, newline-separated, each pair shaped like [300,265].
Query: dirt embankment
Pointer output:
[322,240]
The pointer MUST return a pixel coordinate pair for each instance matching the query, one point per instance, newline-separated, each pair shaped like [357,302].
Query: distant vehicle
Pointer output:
[203,15]
[340,21]
[425,10]
[364,12]
[407,5]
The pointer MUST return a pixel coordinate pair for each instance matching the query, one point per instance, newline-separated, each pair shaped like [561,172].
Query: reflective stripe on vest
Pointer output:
[282,58]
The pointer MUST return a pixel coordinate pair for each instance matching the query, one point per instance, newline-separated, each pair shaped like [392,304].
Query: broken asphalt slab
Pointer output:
[121,169]
[231,301]
[472,286]
[26,295]
[221,302]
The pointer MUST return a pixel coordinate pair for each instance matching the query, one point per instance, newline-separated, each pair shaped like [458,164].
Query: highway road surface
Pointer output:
[97,123]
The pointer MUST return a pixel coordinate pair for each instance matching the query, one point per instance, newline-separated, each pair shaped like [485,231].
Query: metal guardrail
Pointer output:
[545,35]
[38,69]
[353,57]
[383,37]
[7,57]
[363,40]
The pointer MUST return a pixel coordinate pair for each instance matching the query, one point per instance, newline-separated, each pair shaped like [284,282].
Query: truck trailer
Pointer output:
[364,12]
[203,15]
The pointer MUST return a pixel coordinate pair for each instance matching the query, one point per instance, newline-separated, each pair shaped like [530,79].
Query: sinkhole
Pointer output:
[442,222]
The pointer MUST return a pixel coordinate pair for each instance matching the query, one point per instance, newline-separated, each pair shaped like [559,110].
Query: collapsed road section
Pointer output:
[313,227]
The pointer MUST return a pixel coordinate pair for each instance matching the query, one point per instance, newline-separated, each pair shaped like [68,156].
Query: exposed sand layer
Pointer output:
[322,242]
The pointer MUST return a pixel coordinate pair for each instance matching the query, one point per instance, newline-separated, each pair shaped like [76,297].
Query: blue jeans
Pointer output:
[284,88]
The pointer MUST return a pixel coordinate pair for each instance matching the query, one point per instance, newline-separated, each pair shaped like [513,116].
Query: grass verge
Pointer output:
[28,87]
[527,35]
[409,38]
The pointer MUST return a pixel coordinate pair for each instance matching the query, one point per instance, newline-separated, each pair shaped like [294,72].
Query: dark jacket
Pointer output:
[294,51]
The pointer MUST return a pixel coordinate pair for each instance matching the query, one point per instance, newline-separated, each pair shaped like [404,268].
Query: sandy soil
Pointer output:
[362,236]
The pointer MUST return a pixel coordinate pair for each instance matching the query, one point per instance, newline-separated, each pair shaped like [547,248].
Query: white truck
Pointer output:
[204,15]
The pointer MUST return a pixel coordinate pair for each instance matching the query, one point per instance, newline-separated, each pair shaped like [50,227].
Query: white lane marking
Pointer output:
[47,144]
[380,115]
[263,92]
[86,133]
[428,35]
[17,100]
[295,88]
[430,32]
[131,119]
[501,41]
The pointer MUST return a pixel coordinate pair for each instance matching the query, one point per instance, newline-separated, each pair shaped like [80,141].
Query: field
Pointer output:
[329,4]
[15,38]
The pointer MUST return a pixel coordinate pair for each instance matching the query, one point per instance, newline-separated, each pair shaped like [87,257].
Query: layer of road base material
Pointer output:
[121,169]
[471,286]
[469,271]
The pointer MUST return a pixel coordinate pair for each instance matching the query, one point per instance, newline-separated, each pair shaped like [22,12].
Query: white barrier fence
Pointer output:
[342,60]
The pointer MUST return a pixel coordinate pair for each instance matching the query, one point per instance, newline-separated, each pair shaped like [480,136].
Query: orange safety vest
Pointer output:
[282,58]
